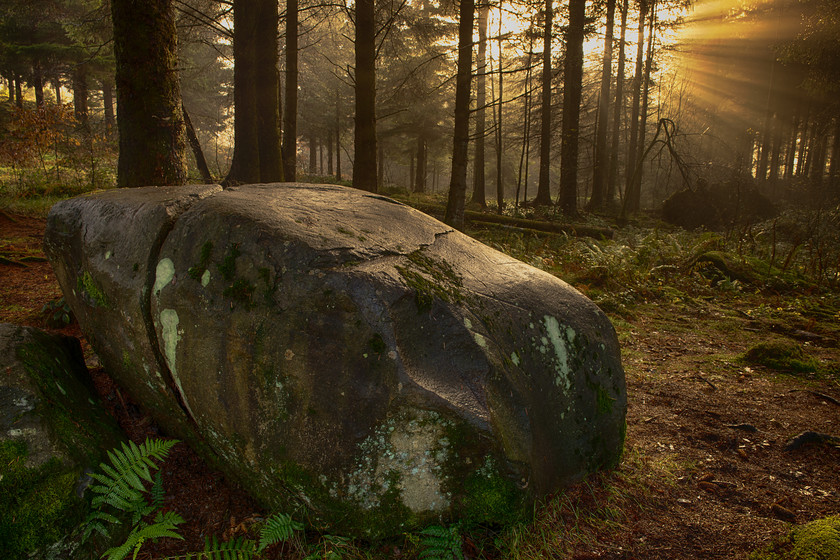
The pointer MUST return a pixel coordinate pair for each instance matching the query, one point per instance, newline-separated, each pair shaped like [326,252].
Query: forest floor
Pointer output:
[705,473]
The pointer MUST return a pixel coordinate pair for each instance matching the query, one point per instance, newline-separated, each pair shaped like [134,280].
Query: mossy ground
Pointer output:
[783,356]
[817,540]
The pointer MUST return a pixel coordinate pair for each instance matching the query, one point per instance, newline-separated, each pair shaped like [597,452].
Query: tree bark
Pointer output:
[364,146]
[149,119]
[634,113]
[290,115]
[420,181]
[56,82]
[313,154]
[458,182]
[634,193]
[38,84]
[618,109]
[108,103]
[600,171]
[500,185]
[337,136]
[479,195]
[544,186]
[245,166]
[267,90]
[80,95]
[572,85]
[19,94]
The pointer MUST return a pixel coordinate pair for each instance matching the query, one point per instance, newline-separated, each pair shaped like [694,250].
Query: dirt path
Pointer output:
[705,473]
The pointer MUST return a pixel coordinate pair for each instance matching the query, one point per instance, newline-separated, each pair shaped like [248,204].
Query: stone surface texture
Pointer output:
[52,431]
[343,353]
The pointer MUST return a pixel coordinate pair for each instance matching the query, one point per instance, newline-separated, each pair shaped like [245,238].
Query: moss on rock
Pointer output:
[784,356]
[817,540]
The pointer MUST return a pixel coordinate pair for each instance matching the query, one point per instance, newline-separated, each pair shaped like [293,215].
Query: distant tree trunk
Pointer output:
[526,132]
[803,143]
[411,174]
[775,154]
[313,154]
[329,151]
[10,80]
[637,87]
[364,145]
[267,90]
[150,123]
[461,138]
[618,109]
[479,195]
[544,186]
[38,84]
[380,165]
[790,158]
[56,82]
[245,165]
[80,95]
[634,193]
[572,84]
[19,94]
[834,168]
[290,116]
[500,185]
[108,103]
[195,145]
[420,182]
[337,136]
[600,171]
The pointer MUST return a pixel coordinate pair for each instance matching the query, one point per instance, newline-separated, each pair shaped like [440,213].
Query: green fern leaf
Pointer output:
[164,525]
[441,543]
[234,549]
[277,528]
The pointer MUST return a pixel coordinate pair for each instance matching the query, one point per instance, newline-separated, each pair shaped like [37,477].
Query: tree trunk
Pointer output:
[19,95]
[195,145]
[56,82]
[572,84]
[245,165]
[337,136]
[599,173]
[526,132]
[500,185]
[420,181]
[290,116]
[150,123]
[10,79]
[329,152]
[380,163]
[108,104]
[634,113]
[634,194]
[80,95]
[38,84]
[479,195]
[313,154]
[618,109]
[461,137]
[364,145]
[834,167]
[267,90]
[544,186]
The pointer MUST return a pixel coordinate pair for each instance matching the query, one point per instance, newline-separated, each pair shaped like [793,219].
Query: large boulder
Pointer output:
[52,430]
[339,351]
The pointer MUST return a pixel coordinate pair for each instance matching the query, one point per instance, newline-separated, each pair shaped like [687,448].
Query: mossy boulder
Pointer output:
[783,356]
[341,353]
[52,431]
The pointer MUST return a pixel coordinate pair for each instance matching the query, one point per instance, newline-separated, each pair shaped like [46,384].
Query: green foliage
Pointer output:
[330,547]
[125,490]
[58,313]
[441,543]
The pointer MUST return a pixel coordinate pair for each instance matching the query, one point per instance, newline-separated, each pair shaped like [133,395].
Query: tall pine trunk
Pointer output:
[634,112]
[572,85]
[618,109]
[600,171]
[500,185]
[149,119]
[634,195]
[479,195]
[245,165]
[461,137]
[544,186]
[420,180]
[290,116]
[364,145]
[267,90]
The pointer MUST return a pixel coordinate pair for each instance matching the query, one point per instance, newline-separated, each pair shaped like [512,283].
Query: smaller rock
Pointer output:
[52,431]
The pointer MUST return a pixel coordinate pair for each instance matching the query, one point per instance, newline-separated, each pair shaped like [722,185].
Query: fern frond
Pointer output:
[164,525]
[234,549]
[156,492]
[441,543]
[277,528]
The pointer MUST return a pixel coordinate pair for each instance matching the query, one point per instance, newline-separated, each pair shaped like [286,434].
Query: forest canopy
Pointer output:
[608,105]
